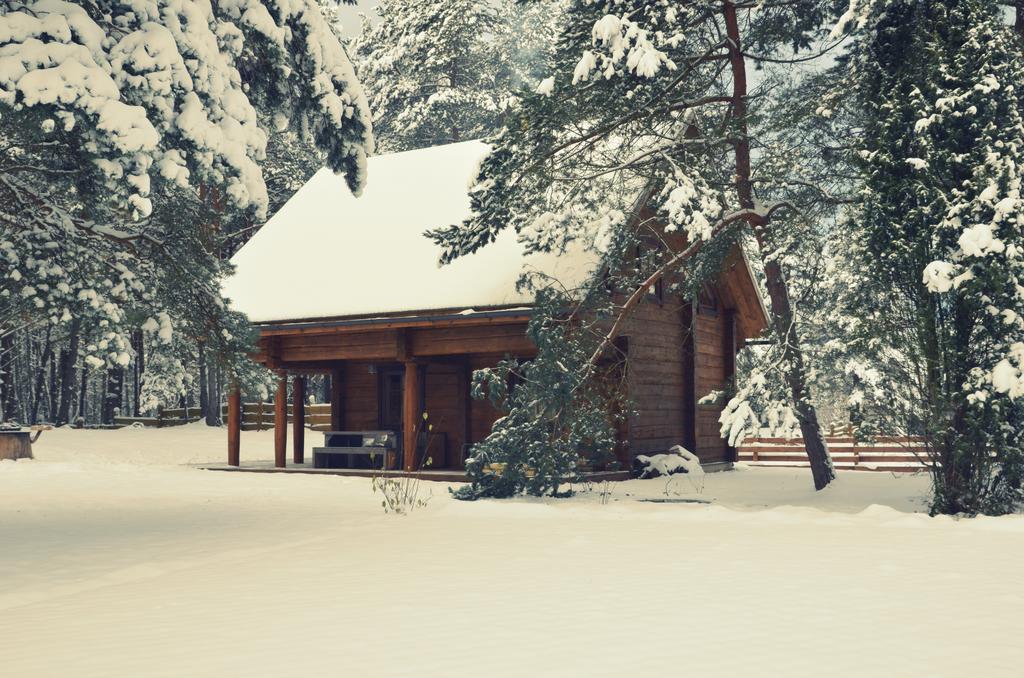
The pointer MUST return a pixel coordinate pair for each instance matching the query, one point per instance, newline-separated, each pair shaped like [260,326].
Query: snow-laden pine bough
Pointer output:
[134,140]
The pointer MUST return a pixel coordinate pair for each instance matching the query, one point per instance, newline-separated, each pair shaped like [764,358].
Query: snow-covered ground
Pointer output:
[119,559]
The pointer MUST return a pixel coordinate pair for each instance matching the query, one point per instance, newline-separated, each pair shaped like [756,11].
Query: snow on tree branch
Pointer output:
[171,89]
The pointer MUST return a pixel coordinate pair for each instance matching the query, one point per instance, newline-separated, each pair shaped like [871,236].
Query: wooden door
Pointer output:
[390,390]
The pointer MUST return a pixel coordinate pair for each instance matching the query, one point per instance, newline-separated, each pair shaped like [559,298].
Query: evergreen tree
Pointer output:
[1018,16]
[132,134]
[652,99]
[434,71]
[441,71]
[557,415]
[939,239]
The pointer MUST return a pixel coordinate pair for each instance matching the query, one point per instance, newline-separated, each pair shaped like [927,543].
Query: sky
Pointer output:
[349,15]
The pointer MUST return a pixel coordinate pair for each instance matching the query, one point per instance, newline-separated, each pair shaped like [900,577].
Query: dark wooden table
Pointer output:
[352,445]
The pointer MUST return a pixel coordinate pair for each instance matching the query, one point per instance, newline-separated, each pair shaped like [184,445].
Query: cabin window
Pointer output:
[656,292]
[648,258]
[708,302]
[390,382]
[606,280]
[513,381]
[391,395]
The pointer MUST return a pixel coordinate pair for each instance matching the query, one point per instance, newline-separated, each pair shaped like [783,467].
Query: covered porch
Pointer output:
[410,376]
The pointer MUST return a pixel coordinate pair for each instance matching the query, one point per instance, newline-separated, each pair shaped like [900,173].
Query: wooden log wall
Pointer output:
[316,352]
[450,408]
[447,356]
[446,409]
[359,393]
[711,376]
[656,376]
[670,369]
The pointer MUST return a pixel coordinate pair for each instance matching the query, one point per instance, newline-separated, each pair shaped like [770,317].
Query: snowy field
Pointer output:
[119,559]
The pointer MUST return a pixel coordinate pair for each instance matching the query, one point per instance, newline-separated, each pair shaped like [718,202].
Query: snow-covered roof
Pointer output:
[329,254]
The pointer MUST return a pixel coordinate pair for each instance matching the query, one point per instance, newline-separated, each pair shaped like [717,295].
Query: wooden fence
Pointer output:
[168,417]
[255,417]
[888,453]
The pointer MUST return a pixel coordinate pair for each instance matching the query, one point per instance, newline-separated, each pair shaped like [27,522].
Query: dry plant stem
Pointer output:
[402,495]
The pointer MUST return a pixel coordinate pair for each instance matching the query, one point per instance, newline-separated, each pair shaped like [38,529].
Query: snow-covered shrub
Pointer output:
[677,460]
[555,415]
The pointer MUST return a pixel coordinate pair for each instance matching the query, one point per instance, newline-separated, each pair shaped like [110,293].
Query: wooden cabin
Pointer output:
[348,287]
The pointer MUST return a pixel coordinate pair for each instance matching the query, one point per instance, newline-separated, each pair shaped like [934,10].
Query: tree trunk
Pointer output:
[112,394]
[796,375]
[8,386]
[40,381]
[68,358]
[1018,24]
[212,395]
[23,370]
[140,368]
[82,389]
[782,310]
[51,389]
[203,386]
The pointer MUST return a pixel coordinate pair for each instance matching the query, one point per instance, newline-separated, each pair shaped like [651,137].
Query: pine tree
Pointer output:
[441,71]
[132,133]
[652,98]
[939,239]
[802,161]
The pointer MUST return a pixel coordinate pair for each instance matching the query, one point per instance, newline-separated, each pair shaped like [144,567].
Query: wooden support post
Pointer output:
[298,418]
[234,425]
[411,414]
[465,423]
[689,319]
[338,399]
[281,420]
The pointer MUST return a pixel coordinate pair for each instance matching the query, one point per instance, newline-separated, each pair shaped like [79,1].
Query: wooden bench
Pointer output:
[343,447]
